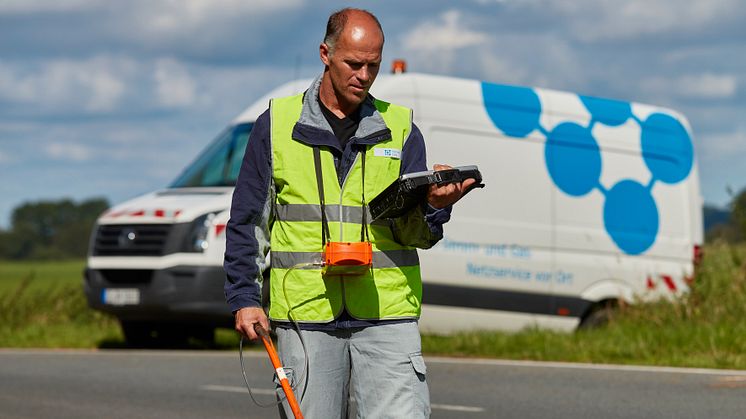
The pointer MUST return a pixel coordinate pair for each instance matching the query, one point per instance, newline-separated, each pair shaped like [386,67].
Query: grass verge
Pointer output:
[704,329]
[42,305]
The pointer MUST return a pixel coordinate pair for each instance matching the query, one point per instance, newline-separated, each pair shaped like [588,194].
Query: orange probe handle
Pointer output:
[270,347]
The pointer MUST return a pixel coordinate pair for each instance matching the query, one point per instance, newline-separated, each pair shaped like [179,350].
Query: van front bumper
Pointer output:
[181,294]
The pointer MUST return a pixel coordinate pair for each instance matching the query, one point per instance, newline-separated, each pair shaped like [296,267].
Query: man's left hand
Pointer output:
[441,196]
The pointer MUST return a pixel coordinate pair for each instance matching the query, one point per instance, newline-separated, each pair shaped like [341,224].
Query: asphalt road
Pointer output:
[187,384]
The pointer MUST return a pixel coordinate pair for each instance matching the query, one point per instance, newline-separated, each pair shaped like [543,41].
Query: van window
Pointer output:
[219,164]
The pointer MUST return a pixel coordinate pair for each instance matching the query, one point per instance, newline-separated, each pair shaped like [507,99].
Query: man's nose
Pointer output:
[363,74]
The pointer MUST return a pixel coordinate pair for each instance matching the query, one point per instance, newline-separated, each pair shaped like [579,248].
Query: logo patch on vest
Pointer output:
[387,152]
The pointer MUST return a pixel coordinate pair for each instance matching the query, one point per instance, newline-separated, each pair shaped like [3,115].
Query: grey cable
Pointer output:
[303,376]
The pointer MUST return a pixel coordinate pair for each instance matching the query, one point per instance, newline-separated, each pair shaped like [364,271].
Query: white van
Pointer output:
[588,202]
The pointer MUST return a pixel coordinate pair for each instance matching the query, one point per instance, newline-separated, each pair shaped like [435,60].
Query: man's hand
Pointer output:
[445,195]
[247,317]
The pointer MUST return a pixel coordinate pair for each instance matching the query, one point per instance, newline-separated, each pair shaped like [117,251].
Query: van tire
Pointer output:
[152,335]
[597,317]
[137,334]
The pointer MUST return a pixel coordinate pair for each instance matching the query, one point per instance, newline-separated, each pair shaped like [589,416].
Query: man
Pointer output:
[360,332]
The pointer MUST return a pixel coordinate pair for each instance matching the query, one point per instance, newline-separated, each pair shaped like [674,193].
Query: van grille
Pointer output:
[126,276]
[131,240]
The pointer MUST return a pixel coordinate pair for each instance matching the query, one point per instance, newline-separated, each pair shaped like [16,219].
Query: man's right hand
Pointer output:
[247,317]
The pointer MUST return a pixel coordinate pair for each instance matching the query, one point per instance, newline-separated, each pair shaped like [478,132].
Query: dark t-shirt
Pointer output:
[344,128]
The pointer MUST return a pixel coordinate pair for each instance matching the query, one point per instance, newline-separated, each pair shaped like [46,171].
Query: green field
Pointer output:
[42,305]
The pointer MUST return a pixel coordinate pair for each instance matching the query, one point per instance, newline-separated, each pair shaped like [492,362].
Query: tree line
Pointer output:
[729,224]
[58,229]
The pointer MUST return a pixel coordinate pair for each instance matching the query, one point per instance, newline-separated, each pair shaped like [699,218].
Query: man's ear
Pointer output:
[324,53]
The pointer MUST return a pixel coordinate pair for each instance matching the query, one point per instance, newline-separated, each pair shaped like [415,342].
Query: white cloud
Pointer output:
[434,43]
[182,16]
[719,146]
[174,86]
[94,85]
[14,87]
[696,86]
[593,20]
[448,33]
[708,86]
[36,6]
[106,89]
[71,152]
[501,69]
[228,90]
[166,13]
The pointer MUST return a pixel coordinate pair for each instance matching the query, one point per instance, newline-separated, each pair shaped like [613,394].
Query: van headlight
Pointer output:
[196,241]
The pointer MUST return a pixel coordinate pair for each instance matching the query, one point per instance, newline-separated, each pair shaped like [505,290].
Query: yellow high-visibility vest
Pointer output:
[392,289]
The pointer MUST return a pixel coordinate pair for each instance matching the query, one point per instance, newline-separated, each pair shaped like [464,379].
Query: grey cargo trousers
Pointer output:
[379,369]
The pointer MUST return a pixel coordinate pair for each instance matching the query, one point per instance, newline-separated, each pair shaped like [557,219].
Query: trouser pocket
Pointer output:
[421,407]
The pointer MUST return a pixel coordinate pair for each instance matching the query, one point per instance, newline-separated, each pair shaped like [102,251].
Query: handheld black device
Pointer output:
[411,189]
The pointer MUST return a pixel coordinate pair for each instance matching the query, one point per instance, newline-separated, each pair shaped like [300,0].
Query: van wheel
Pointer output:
[205,334]
[149,335]
[172,336]
[598,317]
[138,334]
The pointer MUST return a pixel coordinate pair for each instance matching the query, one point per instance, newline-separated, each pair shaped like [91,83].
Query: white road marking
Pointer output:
[573,365]
[270,392]
[733,379]
[456,408]
[237,389]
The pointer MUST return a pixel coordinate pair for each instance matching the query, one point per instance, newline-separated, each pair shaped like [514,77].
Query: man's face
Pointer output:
[354,64]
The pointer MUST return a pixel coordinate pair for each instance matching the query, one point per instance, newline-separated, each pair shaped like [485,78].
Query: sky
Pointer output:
[112,99]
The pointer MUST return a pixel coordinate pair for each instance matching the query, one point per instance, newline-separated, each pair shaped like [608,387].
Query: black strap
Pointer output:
[320,182]
[364,228]
[364,236]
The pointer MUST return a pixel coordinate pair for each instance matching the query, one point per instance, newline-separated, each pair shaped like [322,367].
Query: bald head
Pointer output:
[358,22]
[351,53]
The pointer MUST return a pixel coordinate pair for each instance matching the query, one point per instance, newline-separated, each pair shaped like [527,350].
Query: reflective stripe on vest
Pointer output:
[382,259]
[392,289]
[312,212]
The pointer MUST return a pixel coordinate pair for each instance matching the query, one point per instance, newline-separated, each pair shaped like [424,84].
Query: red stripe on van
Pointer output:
[669,282]
[219,228]
[160,213]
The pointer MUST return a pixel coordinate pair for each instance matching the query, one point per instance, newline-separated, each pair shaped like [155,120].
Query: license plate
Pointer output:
[121,296]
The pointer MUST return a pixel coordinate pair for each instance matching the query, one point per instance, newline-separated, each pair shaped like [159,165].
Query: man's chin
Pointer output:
[356,98]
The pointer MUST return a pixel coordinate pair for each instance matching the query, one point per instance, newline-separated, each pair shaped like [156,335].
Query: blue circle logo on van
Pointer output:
[574,160]
[607,112]
[631,216]
[515,110]
[663,132]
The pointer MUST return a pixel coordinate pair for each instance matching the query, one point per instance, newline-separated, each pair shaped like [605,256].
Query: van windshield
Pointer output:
[219,164]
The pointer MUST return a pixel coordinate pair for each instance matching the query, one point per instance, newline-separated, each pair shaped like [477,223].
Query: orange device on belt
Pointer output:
[347,258]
